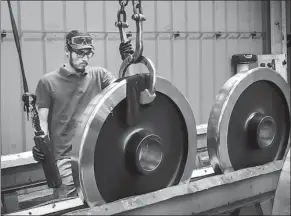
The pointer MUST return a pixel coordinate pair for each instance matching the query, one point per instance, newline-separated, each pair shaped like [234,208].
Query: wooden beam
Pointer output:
[10,202]
[53,207]
[14,160]
[198,196]
[227,191]
[15,178]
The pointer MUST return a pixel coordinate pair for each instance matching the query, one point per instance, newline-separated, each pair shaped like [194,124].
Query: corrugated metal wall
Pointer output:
[197,62]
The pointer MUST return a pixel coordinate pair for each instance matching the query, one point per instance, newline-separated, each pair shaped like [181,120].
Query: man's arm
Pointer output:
[107,78]
[125,49]
[43,119]
[43,101]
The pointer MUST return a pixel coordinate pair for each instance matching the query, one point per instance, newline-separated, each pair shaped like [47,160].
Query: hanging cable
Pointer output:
[41,140]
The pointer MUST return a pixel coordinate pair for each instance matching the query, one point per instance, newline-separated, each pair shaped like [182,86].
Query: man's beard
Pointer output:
[73,66]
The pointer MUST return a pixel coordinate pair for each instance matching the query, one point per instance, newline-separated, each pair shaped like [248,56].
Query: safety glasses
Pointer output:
[82,40]
[81,54]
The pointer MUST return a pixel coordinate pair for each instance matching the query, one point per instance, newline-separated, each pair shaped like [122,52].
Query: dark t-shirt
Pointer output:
[67,95]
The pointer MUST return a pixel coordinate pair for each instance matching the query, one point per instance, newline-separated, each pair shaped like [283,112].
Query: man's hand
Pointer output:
[125,49]
[38,155]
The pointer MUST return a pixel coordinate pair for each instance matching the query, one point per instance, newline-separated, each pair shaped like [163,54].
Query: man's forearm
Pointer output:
[43,119]
[44,127]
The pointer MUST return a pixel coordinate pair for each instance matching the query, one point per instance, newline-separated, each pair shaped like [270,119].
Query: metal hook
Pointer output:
[148,95]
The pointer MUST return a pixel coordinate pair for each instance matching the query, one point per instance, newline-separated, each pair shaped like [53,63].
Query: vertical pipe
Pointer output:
[157,36]
[43,42]
[226,40]
[213,53]
[172,41]
[64,23]
[0,83]
[200,66]
[85,15]
[251,26]
[65,16]
[186,51]
[105,36]
[238,27]
[266,26]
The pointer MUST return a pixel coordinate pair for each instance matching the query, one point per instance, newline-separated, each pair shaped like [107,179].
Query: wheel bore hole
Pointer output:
[262,130]
[266,132]
[149,154]
[144,152]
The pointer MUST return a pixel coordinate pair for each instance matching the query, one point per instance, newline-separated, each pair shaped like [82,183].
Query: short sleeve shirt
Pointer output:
[67,95]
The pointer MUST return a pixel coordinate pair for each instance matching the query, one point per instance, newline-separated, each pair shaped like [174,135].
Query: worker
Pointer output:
[63,95]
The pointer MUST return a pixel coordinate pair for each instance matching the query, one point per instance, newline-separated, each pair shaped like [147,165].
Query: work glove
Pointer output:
[126,49]
[38,155]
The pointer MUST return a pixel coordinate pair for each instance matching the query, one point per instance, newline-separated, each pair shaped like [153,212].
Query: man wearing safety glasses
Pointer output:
[63,94]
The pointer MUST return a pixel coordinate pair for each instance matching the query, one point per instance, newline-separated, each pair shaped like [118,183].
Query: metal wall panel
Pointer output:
[195,61]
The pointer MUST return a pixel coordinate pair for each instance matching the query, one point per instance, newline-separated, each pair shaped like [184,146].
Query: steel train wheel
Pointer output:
[112,160]
[249,123]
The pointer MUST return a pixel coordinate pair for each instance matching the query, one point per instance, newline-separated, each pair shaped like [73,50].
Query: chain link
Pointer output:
[123,3]
[138,17]
[137,7]
[122,24]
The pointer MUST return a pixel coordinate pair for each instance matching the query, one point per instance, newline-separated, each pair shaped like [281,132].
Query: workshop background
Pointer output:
[190,43]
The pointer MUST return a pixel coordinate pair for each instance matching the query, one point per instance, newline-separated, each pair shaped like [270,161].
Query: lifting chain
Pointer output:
[122,24]
[149,94]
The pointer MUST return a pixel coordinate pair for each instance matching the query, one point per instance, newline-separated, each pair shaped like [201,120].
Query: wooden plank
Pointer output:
[14,160]
[10,202]
[53,207]
[13,178]
[38,194]
[198,196]
[202,172]
[252,184]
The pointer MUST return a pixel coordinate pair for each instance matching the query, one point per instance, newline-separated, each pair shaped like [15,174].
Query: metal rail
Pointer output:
[215,194]
[31,34]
